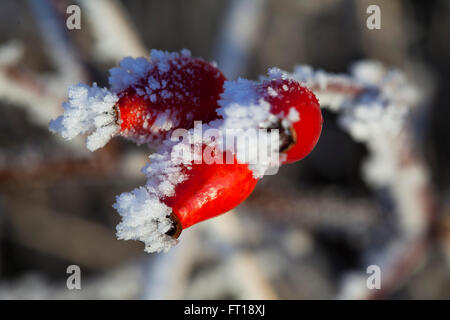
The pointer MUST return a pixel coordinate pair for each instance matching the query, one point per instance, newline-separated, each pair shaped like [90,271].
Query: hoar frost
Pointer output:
[92,110]
[88,110]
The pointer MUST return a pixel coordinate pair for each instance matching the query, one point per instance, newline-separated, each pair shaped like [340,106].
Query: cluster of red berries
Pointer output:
[173,93]
[213,189]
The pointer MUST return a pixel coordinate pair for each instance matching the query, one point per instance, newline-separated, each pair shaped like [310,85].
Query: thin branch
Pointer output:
[115,37]
[240,31]
[31,224]
[54,34]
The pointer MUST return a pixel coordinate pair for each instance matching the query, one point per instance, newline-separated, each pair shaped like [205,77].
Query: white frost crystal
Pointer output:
[375,115]
[88,110]
[91,109]
[144,218]
[243,112]
[131,70]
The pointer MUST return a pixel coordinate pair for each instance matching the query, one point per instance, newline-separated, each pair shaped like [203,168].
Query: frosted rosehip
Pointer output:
[146,101]
[298,111]
[180,194]
[168,97]
[209,190]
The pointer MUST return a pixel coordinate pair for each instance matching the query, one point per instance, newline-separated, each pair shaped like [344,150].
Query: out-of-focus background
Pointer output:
[309,232]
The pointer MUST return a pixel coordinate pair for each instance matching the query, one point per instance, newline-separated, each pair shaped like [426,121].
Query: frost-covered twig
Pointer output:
[373,105]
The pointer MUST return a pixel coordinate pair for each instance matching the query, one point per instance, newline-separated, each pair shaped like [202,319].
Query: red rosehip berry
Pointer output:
[168,97]
[147,100]
[299,113]
[179,195]
[209,190]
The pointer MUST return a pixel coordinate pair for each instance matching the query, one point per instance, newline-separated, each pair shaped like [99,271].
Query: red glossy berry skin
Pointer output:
[210,190]
[188,91]
[290,93]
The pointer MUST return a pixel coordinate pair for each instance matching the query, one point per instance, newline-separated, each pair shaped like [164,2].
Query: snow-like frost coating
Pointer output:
[131,70]
[293,115]
[144,218]
[88,110]
[243,111]
[374,115]
[91,109]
